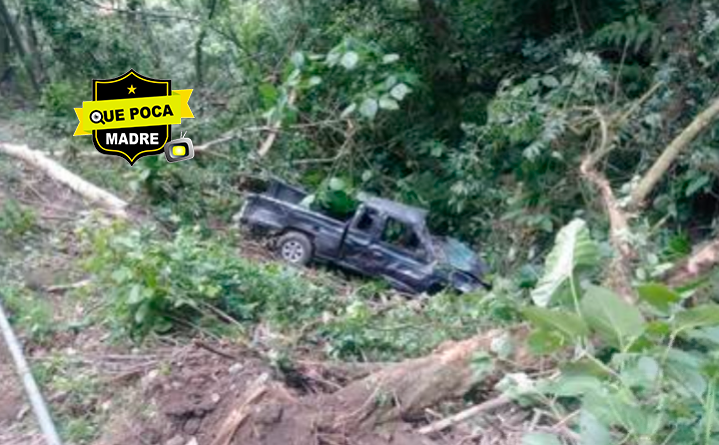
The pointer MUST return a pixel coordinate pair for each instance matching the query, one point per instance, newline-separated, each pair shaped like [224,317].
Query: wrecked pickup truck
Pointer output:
[381,238]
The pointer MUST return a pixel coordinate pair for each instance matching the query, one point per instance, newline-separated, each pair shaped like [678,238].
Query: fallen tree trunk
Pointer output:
[384,398]
[109,202]
[405,389]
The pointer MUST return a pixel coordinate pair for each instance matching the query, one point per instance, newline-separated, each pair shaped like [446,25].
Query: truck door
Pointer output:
[407,260]
[357,248]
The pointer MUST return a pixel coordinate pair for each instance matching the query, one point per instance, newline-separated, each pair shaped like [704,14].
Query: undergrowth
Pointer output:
[186,281]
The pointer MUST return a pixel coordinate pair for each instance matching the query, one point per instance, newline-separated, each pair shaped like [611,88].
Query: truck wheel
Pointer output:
[295,248]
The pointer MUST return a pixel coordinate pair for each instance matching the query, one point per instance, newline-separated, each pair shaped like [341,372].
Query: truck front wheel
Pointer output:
[295,248]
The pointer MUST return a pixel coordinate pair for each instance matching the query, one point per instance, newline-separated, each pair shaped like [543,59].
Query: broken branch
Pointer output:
[671,152]
[462,416]
[274,128]
[702,261]
[618,222]
[239,414]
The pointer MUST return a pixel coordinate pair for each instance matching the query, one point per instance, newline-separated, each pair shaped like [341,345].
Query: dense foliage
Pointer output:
[470,108]
[516,123]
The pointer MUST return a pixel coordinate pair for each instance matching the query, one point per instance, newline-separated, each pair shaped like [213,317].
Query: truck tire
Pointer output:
[295,248]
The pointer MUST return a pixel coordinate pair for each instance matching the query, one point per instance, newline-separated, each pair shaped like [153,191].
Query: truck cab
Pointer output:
[382,238]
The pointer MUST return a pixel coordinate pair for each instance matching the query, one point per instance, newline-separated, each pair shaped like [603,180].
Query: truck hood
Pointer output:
[461,257]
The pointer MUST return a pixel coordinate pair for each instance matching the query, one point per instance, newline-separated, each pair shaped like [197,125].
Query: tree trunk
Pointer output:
[448,76]
[396,392]
[33,46]
[4,54]
[17,42]
[198,45]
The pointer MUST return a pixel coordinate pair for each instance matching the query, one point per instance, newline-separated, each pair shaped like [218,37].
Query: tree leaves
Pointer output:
[570,325]
[388,104]
[349,60]
[369,108]
[698,317]
[573,248]
[399,91]
[615,320]
[658,295]
[390,58]
[592,431]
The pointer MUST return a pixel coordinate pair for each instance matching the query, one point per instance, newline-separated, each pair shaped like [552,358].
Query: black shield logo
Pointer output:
[129,86]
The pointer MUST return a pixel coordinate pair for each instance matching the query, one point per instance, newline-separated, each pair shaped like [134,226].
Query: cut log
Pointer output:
[382,400]
[109,202]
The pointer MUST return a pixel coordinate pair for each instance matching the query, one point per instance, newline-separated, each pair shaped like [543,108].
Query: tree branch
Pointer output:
[274,129]
[618,221]
[671,152]
[700,262]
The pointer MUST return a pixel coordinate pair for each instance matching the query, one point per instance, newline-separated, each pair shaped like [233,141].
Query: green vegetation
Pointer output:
[530,129]
[642,373]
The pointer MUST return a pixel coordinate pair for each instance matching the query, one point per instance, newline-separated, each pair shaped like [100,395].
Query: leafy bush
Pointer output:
[644,373]
[32,314]
[157,284]
[16,220]
[364,331]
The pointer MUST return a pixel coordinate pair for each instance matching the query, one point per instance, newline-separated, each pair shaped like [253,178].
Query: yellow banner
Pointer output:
[130,113]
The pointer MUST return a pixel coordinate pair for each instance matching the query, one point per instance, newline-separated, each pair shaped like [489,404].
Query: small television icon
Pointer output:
[179,150]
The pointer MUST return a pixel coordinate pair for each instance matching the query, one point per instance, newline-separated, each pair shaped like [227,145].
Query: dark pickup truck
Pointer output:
[382,238]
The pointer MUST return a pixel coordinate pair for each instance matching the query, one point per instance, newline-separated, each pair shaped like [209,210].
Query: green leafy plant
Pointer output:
[573,251]
[644,373]
[16,220]
[158,284]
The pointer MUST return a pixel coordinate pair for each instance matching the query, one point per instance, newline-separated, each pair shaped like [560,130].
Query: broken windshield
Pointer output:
[459,255]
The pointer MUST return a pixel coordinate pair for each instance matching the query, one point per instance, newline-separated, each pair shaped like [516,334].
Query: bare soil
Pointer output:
[193,400]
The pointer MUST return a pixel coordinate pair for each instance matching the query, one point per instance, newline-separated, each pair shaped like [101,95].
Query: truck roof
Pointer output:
[396,210]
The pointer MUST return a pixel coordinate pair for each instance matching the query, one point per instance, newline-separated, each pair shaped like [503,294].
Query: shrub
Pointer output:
[155,284]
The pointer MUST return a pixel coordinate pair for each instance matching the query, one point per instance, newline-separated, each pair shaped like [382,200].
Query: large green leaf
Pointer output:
[592,431]
[615,320]
[698,317]
[658,295]
[572,385]
[569,325]
[544,341]
[683,370]
[620,408]
[573,248]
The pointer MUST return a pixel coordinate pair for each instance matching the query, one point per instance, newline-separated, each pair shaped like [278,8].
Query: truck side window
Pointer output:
[367,220]
[403,236]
